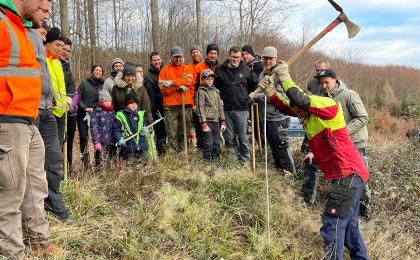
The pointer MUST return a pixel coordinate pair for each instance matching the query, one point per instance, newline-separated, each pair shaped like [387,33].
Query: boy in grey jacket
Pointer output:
[211,114]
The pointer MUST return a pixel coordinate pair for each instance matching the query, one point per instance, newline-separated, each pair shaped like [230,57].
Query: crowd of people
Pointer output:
[41,107]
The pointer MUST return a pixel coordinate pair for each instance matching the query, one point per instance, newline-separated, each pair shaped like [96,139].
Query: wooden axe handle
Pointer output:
[305,48]
[302,51]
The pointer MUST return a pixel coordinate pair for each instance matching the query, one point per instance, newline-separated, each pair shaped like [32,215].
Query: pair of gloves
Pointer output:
[144,130]
[168,83]
[205,128]
[267,84]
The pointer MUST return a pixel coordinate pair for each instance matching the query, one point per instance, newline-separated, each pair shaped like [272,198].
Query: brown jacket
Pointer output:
[121,89]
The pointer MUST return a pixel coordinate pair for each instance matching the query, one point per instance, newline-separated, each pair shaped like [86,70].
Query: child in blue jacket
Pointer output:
[101,129]
[127,122]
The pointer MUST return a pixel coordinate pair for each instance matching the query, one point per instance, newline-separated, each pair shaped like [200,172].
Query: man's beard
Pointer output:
[29,14]
[36,24]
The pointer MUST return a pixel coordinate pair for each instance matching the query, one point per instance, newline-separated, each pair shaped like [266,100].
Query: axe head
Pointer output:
[352,28]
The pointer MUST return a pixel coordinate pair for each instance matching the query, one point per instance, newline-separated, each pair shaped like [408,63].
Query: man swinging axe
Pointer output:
[337,156]
[352,30]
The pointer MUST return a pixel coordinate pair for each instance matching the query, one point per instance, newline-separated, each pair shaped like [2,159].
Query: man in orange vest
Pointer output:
[174,79]
[23,183]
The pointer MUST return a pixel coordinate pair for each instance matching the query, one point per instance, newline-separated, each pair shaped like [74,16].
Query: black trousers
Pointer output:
[198,131]
[311,177]
[278,139]
[61,127]
[47,125]
[83,132]
[160,130]
[104,157]
[71,130]
[211,142]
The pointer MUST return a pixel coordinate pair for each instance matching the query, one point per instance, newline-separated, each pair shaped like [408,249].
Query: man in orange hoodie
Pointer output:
[174,79]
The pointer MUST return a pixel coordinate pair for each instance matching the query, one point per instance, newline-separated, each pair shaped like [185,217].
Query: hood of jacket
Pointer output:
[153,70]
[207,88]
[130,112]
[211,64]
[339,87]
[137,84]
[95,81]
[256,59]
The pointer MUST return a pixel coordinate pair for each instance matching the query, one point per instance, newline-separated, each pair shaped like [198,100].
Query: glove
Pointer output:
[205,128]
[183,88]
[147,130]
[267,86]
[166,83]
[121,142]
[69,105]
[98,147]
[282,73]
[223,126]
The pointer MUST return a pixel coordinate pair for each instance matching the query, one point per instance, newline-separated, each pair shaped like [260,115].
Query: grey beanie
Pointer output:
[195,47]
[129,70]
[104,95]
[177,51]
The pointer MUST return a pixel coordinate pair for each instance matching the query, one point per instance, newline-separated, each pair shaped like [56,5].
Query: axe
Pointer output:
[352,30]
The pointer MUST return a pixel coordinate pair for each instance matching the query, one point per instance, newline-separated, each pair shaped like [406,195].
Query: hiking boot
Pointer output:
[50,251]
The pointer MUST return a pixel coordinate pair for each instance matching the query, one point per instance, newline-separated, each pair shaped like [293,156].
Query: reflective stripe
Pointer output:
[19,72]
[14,59]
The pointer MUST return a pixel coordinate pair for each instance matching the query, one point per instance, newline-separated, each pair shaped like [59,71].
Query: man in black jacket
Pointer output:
[151,77]
[70,91]
[235,80]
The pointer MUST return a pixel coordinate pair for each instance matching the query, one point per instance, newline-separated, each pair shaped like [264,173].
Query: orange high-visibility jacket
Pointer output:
[202,66]
[182,75]
[20,73]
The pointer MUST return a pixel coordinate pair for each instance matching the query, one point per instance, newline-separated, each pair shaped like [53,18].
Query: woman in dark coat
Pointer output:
[131,81]
[88,97]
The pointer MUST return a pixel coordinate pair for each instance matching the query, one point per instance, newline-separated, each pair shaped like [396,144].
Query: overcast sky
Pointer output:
[390,29]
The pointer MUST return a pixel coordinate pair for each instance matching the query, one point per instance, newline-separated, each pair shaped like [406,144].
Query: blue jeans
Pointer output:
[236,122]
[340,225]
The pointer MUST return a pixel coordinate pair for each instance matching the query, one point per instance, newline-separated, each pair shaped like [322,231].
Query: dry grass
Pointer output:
[174,210]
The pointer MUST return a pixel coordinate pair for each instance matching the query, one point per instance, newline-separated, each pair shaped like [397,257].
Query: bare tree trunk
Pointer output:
[199,22]
[241,22]
[115,25]
[154,11]
[97,24]
[79,38]
[64,17]
[252,20]
[92,33]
